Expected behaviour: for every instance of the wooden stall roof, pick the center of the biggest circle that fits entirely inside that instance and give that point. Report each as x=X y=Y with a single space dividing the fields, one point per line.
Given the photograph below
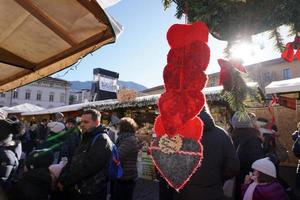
x=39 y=38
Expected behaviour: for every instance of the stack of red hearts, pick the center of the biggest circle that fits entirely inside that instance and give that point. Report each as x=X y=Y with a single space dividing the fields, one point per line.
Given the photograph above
x=177 y=151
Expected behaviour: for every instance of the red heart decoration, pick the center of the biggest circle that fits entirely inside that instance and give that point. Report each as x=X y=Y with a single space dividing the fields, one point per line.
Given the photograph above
x=182 y=34
x=192 y=129
x=172 y=77
x=178 y=107
x=197 y=52
x=193 y=78
x=187 y=161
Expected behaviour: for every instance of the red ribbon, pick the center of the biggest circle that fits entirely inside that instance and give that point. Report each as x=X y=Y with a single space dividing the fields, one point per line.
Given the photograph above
x=226 y=67
x=271 y=104
x=288 y=54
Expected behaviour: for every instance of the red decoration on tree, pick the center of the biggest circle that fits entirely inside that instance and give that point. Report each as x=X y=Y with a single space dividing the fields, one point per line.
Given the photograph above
x=183 y=100
x=226 y=70
x=288 y=54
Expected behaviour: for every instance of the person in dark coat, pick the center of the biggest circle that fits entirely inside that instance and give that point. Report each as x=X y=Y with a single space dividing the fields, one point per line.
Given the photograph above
x=220 y=163
x=128 y=150
x=85 y=177
x=10 y=154
x=36 y=183
x=296 y=151
x=72 y=139
x=248 y=145
x=42 y=132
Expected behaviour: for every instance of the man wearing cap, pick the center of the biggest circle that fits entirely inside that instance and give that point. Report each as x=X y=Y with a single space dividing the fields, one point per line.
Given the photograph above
x=85 y=177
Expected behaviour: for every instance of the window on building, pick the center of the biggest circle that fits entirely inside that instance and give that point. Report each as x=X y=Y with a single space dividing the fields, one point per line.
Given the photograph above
x=287 y=74
x=39 y=96
x=2 y=94
x=27 y=94
x=51 y=97
x=267 y=76
x=62 y=98
x=15 y=94
x=213 y=83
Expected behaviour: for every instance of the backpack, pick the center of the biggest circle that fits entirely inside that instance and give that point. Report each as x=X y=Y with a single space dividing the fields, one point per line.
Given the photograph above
x=296 y=148
x=8 y=166
x=115 y=170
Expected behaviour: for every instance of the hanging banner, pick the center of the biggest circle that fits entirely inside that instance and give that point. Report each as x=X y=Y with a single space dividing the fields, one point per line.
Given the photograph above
x=288 y=102
x=108 y=84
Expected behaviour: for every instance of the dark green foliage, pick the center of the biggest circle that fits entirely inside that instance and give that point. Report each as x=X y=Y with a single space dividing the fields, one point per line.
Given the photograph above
x=233 y=20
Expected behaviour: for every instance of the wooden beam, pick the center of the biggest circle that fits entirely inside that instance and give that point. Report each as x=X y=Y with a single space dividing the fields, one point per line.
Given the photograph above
x=9 y=58
x=93 y=7
x=45 y=19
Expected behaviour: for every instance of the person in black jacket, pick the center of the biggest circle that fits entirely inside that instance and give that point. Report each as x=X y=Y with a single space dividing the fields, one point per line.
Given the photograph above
x=72 y=139
x=85 y=177
x=128 y=150
x=220 y=163
x=248 y=145
x=296 y=151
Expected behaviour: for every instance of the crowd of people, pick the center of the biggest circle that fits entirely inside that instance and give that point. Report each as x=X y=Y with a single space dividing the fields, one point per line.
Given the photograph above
x=61 y=160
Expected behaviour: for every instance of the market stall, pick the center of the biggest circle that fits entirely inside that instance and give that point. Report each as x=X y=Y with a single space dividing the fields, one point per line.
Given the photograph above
x=286 y=111
x=39 y=38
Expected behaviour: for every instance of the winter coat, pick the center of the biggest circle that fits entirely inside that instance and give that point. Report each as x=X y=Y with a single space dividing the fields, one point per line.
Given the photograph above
x=270 y=191
x=35 y=184
x=220 y=162
x=72 y=140
x=86 y=175
x=128 y=150
x=249 y=149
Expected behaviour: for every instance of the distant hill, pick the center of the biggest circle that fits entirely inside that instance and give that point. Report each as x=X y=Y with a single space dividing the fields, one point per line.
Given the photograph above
x=78 y=85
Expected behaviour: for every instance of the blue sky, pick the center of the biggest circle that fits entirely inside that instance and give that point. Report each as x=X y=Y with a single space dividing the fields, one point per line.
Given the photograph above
x=139 y=54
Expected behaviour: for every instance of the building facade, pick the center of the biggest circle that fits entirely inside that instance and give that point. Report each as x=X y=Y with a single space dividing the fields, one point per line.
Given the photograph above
x=265 y=72
x=47 y=93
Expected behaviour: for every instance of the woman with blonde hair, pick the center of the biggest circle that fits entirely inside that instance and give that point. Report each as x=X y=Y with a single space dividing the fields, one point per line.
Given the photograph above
x=127 y=143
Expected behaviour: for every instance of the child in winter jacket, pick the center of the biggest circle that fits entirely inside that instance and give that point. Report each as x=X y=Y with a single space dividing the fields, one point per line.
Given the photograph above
x=263 y=184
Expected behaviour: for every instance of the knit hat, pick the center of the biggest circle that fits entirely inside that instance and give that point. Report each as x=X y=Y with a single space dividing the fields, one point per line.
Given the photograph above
x=5 y=129
x=265 y=166
x=114 y=121
x=241 y=120
x=56 y=127
x=39 y=159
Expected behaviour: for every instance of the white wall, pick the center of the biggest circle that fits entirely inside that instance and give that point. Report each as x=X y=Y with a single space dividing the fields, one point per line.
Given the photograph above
x=45 y=88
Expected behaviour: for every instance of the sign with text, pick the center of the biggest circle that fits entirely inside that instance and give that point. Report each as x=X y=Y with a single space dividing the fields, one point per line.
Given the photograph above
x=106 y=83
